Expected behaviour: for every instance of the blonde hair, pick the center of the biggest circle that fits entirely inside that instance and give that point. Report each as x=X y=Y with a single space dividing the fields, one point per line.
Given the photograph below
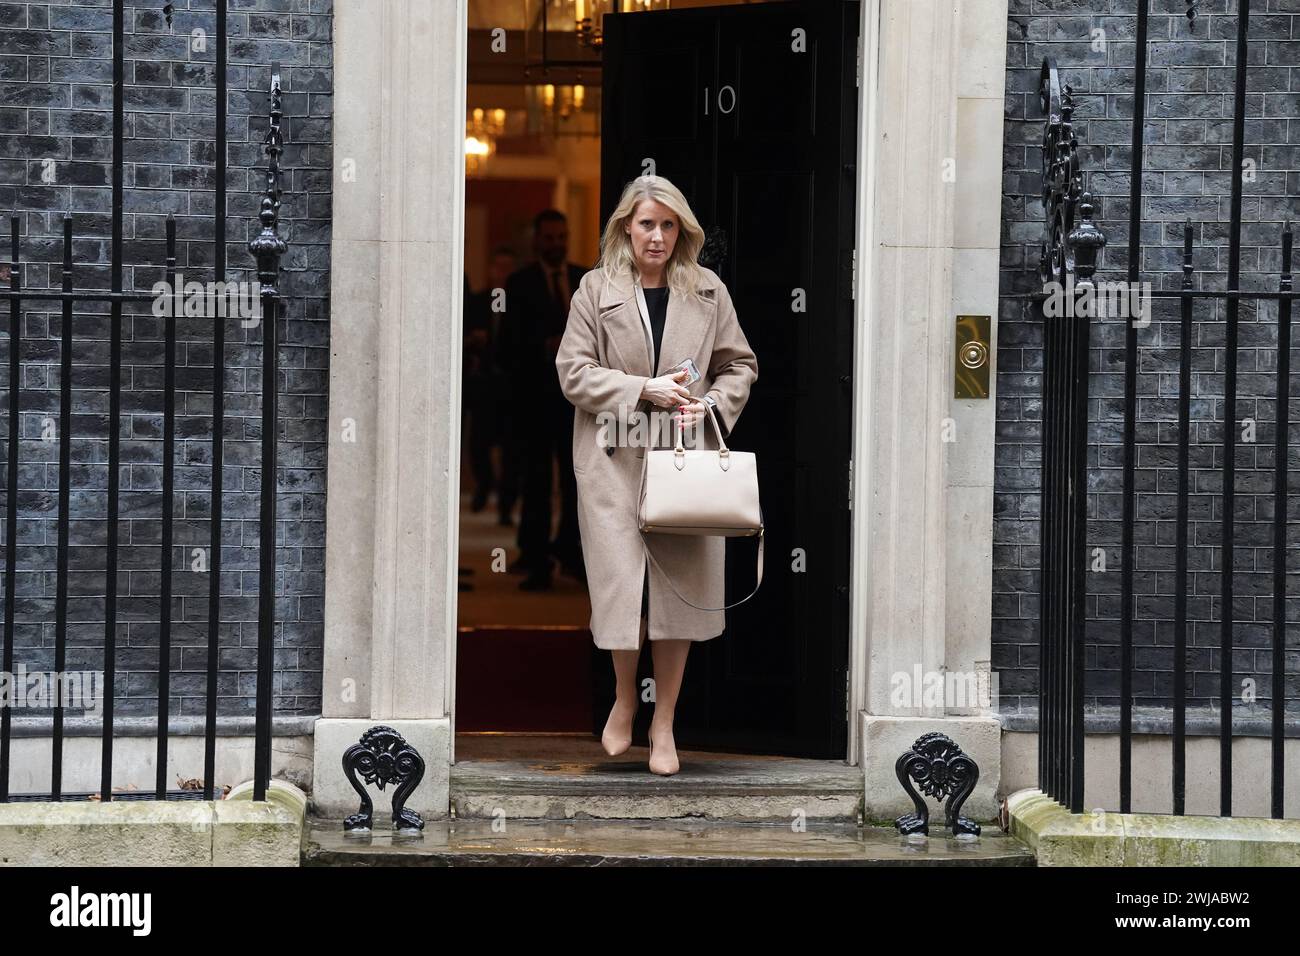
x=682 y=272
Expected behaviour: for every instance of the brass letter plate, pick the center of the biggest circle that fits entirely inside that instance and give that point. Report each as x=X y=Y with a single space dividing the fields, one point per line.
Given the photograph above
x=974 y=356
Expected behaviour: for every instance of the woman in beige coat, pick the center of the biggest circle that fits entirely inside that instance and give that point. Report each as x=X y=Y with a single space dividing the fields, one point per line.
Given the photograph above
x=623 y=390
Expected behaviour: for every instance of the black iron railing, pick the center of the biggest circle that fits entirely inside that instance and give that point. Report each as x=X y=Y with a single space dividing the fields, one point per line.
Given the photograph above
x=1069 y=257
x=267 y=248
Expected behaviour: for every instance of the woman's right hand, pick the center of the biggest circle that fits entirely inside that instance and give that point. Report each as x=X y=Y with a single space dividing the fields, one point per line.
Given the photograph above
x=666 y=391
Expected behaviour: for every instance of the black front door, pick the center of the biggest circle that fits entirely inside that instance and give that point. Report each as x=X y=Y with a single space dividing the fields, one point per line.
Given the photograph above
x=751 y=112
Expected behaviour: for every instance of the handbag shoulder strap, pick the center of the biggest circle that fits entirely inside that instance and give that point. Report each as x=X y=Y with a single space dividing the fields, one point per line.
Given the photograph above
x=722 y=450
x=759 y=574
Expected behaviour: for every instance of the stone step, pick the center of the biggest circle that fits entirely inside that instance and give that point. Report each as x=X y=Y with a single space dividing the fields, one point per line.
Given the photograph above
x=710 y=786
x=653 y=843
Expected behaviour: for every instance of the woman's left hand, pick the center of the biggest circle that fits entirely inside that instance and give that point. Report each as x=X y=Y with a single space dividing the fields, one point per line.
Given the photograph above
x=689 y=414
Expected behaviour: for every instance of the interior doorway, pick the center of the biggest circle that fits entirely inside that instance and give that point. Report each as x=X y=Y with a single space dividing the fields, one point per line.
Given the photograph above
x=750 y=108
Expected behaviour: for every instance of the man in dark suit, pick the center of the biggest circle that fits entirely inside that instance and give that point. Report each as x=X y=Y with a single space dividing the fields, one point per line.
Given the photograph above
x=537 y=308
x=487 y=396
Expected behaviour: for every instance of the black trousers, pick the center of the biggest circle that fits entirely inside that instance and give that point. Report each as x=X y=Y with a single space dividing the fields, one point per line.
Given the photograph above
x=548 y=439
x=481 y=433
x=508 y=435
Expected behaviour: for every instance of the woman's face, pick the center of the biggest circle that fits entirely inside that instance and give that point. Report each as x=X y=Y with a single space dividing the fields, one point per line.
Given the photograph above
x=653 y=230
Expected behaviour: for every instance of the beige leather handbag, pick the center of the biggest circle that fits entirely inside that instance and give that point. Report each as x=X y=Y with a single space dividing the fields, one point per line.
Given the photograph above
x=701 y=491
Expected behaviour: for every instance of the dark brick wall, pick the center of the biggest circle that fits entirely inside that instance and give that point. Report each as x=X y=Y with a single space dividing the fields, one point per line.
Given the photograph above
x=1191 y=75
x=55 y=117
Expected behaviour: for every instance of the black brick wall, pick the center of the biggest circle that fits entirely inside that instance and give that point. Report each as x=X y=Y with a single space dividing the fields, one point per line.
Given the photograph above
x=1191 y=76
x=55 y=116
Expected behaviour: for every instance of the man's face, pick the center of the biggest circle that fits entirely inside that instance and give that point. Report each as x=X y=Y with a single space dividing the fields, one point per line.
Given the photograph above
x=500 y=269
x=552 y=242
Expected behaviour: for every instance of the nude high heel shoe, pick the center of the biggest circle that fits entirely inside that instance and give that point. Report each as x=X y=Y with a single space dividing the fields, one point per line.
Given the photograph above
x=662 y=773
x=614 y=746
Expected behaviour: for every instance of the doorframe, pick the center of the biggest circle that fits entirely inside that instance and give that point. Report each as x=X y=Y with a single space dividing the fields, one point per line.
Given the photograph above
x=864 y=231
x=452 y=603
x=389 y=606
x=860 y=455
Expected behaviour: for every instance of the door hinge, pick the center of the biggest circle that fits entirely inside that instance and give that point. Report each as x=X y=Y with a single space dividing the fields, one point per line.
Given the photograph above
x=847 y=280
x=857 y=79
x=848 y=708
x=850 y=484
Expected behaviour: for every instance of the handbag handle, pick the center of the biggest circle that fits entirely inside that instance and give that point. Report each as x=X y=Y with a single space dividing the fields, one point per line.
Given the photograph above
x=679 y=448
x=724 y=607
x=713 y=417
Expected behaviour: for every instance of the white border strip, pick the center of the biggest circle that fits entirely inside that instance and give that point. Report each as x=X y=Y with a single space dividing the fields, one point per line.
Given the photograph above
x=859 y=568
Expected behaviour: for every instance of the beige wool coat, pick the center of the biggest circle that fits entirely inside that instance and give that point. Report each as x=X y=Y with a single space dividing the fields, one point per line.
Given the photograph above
x=603 y=362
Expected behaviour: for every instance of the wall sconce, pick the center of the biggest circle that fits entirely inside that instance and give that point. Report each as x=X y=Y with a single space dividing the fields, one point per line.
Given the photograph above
x=477 y=153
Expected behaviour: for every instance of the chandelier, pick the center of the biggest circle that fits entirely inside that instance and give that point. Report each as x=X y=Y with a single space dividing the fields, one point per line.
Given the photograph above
x=482 y=127
x=589 y=34
x=562 y=110
x=587 y=14
x=557 y=101
x=576 y=20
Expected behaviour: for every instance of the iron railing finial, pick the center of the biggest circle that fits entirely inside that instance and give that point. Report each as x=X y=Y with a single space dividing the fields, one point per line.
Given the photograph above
x=267 y=246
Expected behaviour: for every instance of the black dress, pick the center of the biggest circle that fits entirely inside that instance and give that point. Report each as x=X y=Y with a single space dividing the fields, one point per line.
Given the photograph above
x=656 y=301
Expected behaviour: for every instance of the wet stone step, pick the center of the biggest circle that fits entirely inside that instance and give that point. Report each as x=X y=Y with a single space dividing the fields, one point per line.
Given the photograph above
x=653 y=843
x=714 y=787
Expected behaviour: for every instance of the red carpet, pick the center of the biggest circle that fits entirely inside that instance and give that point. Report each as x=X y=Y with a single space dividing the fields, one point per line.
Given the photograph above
x=524 y=679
